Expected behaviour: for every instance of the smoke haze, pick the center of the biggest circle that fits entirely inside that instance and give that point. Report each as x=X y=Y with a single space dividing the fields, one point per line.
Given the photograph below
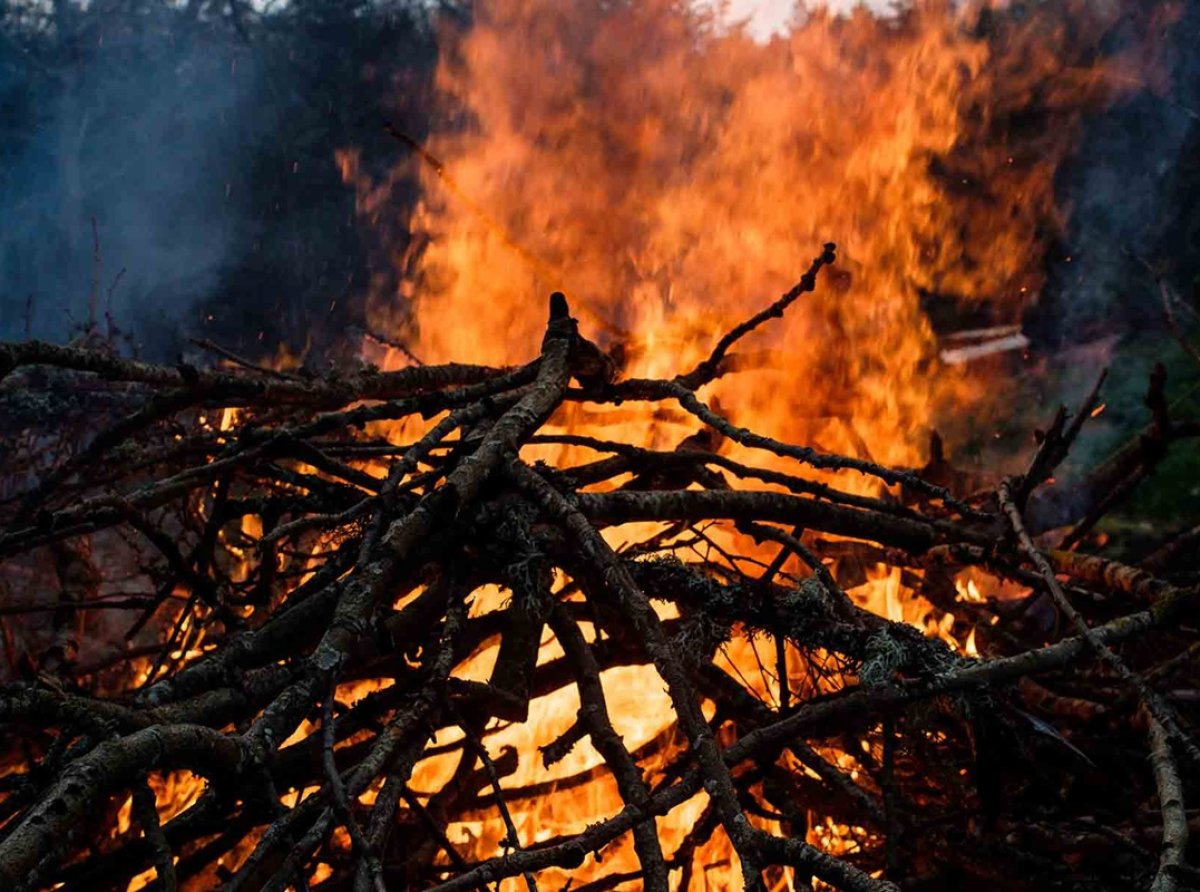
x=143 y=133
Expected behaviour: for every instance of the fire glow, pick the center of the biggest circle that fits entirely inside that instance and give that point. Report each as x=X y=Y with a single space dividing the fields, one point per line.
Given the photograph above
x=672 y=177
x=668 y=175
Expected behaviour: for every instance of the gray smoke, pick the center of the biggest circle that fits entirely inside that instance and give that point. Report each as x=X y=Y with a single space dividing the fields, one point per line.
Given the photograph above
x=1131 y=190
x=131 y=117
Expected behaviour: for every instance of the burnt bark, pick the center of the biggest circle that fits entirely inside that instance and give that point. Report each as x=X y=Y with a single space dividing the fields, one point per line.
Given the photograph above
x=303 y=548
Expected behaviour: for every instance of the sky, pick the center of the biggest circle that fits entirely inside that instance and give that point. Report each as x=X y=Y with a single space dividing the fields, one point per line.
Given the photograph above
x=765 y=15
x=768 y=16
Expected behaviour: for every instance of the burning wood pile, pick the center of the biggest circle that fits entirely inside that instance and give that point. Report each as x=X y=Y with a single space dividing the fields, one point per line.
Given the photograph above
x=261 y=634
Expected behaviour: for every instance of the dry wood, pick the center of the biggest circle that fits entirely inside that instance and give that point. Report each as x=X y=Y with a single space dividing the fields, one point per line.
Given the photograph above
x=295 y=597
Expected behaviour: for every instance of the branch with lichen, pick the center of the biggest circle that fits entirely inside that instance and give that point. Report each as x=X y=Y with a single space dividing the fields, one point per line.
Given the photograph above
x=304 y=568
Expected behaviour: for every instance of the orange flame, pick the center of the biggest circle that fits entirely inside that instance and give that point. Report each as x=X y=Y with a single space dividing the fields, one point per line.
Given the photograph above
x=673 y=176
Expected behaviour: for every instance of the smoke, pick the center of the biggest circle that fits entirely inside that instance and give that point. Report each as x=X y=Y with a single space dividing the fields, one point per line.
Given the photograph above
x=1130 y=193
x=120 y=196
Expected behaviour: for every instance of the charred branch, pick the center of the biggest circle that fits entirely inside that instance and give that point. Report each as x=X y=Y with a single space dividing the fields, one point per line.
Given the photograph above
x=341 y=600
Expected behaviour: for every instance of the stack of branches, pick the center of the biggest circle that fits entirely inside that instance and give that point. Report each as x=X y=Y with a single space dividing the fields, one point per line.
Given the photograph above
x=240 y=550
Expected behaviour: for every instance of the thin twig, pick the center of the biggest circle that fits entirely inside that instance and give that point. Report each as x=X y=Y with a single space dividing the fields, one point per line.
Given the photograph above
x=1158 y=708
x=1174 y=816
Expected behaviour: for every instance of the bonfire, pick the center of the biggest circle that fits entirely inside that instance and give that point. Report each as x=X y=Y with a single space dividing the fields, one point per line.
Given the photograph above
x=422 y=629
x=582 y=565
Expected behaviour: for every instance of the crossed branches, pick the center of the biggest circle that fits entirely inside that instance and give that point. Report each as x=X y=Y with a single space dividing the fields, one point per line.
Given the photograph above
x=331 y=532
